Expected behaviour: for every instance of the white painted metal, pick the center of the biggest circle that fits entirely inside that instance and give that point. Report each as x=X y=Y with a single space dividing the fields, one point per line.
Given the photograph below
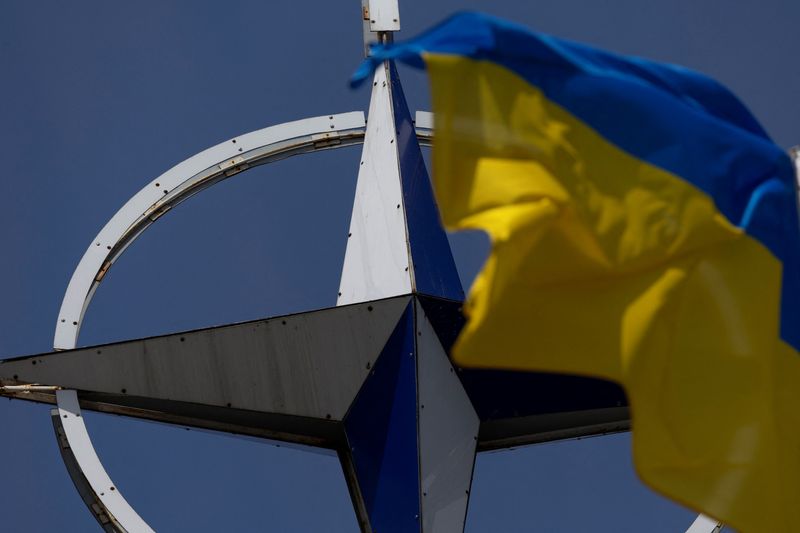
x=704 y=524
x=182 y=181
x=307 y=365
x=377 y=261
x=384 y=15
x=370 y=37
x=448 y=435
x=423 y=120
x=423 y=124
x=117 y=509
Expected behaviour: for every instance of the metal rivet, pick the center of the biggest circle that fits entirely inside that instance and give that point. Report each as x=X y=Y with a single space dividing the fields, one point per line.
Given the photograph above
x=369 y=308
x=112 y=488
x=63 y=320
x=398 y=206
x=182 y=339
x=333 y=126
x=233 y=141
x=33 y=362
x=349 y=235
x=74 y=323
x=369 y=365
x=328 y=416
x=109 y=247
x=99 y=352
x=228 y=404
x=124 y=391
x=158 y=185
x=283 y=322
x=16 y=376
x=340 y=294
x=165 y=191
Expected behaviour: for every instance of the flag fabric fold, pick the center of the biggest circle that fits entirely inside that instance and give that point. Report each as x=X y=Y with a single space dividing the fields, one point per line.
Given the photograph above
x=644 y=229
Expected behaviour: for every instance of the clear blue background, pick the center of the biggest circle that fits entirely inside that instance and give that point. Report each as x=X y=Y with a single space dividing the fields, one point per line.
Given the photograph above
x=98 y=97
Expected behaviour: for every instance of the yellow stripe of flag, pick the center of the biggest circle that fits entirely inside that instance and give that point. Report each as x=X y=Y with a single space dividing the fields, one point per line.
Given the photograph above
x=605 y=265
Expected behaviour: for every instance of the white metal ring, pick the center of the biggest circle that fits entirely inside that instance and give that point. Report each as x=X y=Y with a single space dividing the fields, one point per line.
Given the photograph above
x=191 y=176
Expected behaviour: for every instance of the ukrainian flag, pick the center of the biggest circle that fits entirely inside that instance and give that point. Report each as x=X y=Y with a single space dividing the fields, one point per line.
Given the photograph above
x=644 y=230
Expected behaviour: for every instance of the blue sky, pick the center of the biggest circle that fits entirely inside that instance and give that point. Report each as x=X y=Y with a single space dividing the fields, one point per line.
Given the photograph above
x=98 y=98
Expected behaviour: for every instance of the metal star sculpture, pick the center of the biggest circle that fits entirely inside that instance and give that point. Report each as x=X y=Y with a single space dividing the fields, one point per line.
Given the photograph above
x=370 y=378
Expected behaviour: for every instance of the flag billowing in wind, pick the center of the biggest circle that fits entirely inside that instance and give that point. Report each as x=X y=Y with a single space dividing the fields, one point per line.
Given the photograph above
x=644 y=229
